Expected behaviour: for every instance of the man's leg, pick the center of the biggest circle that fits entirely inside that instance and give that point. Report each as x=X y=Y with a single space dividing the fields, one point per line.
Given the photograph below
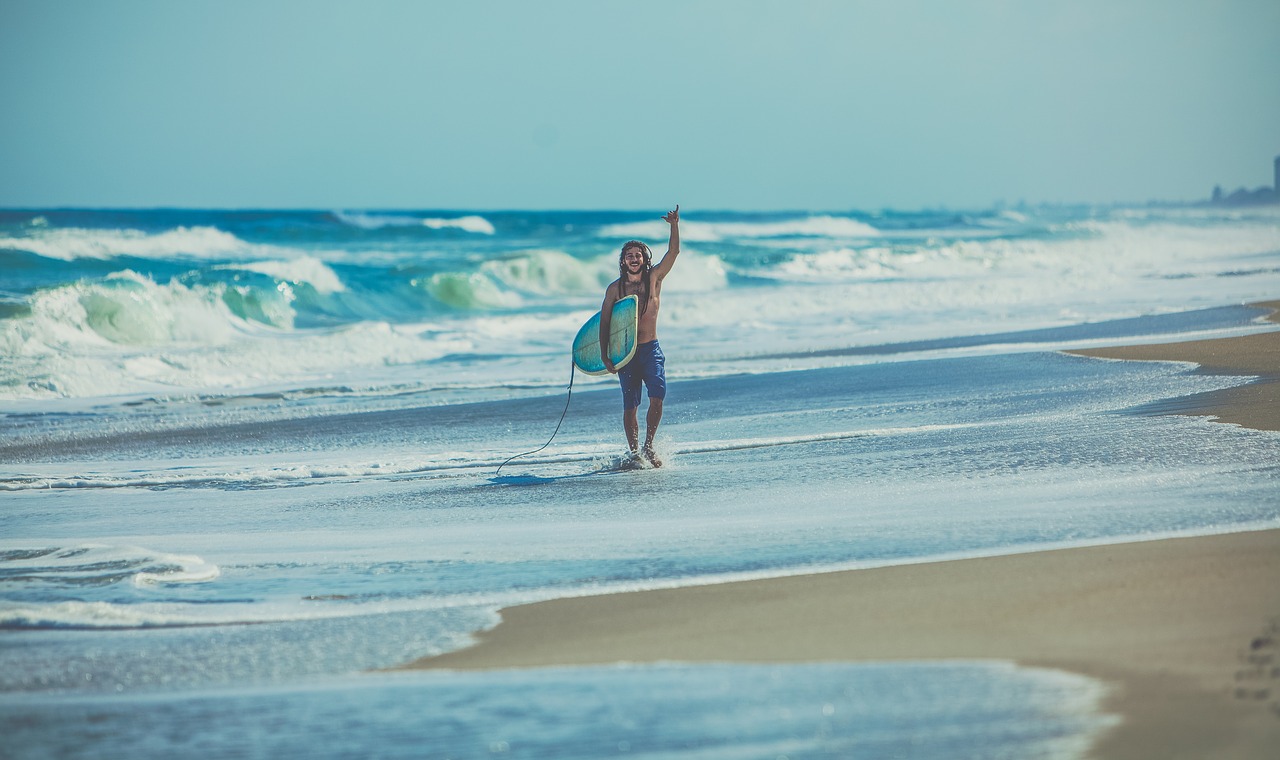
x=651 y=428
x=631 y=384
x=631 y=426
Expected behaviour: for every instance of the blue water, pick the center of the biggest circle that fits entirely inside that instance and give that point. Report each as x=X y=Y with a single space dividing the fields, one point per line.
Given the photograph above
x=661 y=711
x=250 y=457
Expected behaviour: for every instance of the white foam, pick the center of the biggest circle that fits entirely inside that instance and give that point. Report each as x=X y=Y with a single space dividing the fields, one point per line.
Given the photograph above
x=69 y=244
x=838 y=264
x=376 y=221
x=95 y=615
x=306 y=269
x=372 y=221
x=128 y=334
x=697 y=273
x=472 y=223
x=554 y=273
x=551 y=272
x=102 y=563
x=245 y=474
x=124 y=308
x=1113 y=251
x=113 y=615
x=441 y=464
x=852 y=295
x=468 y=291
x=693 y=231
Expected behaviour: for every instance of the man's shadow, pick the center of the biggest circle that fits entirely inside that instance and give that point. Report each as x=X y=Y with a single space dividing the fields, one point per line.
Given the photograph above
x=526 y=480
x=616 y=467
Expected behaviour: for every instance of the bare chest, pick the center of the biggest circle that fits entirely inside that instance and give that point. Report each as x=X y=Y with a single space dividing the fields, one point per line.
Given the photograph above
x=648 y=321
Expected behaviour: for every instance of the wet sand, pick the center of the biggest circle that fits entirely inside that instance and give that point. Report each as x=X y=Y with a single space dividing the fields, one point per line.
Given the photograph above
x=1256 y=405
x=1184 y=630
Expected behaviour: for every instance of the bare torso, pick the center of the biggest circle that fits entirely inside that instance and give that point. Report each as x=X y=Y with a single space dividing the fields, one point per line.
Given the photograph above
x=647 y=329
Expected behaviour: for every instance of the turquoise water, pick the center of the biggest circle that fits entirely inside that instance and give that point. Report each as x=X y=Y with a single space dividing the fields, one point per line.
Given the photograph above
x=250 y=457
x=175 y=304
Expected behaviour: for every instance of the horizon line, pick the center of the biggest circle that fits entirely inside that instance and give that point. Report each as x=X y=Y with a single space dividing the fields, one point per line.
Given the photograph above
x=641 y=209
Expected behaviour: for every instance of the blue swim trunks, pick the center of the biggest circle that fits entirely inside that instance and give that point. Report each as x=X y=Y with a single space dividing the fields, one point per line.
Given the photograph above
x=648 y=366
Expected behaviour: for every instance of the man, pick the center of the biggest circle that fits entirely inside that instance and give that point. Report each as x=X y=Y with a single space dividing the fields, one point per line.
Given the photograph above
x=638 y=277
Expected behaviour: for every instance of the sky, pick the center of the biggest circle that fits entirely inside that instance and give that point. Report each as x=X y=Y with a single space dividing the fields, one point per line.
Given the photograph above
x=727 y=105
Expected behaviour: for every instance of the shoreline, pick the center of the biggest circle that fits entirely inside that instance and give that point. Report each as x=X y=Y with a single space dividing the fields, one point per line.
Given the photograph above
x=1185 y=631
x=1255 y=405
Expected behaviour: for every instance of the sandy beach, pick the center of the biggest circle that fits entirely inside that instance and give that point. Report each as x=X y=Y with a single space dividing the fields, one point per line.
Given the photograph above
x=1256 y=405
x=1184 y=630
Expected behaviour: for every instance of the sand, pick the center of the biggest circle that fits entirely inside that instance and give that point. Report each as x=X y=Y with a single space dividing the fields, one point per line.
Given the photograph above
x=1256 y=405
x=1185 y=631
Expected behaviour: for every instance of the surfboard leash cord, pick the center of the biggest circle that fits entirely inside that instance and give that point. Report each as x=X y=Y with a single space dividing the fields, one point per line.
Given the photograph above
x=572 y=372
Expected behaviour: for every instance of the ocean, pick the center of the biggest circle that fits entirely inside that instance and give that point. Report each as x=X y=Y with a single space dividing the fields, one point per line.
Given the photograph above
x=250 y=460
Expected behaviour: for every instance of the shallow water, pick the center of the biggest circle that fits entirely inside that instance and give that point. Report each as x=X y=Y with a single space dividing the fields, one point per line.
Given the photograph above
x=948 y=709
x=207 y=540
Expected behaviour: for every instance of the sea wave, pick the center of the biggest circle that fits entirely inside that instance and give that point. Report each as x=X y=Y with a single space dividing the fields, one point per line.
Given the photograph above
x=698 y=273
x=514 y=282
x=117 y=615
x=372 y=221
x=132 y=309
x=98 y=565
x=997 y=220
x=70 y=244
x=467 y=291
x=127 y=333
x=304 y=269
x=76 y=614
x=1080 y=252
x=1158 y=241
x=128 y=308
x=825 y=226
x=264 y=317
x=477 y=224
x=841 y=264
x=551 y=272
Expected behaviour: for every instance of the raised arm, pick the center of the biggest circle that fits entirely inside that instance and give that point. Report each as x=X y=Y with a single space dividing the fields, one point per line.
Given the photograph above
x=673 y=245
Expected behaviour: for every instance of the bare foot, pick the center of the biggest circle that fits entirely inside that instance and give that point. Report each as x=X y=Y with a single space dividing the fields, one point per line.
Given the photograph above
x=652 y=457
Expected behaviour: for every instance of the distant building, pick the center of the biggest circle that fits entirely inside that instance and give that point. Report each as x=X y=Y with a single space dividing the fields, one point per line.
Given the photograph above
x=1243 y=197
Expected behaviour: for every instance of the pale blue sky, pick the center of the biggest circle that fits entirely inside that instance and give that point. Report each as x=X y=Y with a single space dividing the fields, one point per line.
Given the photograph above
x=637 y=105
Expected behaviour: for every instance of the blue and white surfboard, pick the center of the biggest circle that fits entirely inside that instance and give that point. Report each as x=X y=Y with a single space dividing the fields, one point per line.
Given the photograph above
x=622 y=338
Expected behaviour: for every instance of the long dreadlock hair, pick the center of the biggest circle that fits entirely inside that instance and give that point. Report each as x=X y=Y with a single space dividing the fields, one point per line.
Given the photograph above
x=645 y=284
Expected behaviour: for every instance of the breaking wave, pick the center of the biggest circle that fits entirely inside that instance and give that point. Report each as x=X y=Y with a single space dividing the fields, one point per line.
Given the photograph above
x=367 y=221
x=546 y=274
x=197 y=309
x=837 y=227
x=69 y=244
x=89 y=566
x=305 y=269
x=126 y=333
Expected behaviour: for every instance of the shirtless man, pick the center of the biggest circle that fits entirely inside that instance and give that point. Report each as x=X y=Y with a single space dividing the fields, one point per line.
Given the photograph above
x=638 y=277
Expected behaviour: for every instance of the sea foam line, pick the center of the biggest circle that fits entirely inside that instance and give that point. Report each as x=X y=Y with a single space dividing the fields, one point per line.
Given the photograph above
x=371 y=221
x=455 y=465
x=199 y=242
x=102 y=564
x=824 y=226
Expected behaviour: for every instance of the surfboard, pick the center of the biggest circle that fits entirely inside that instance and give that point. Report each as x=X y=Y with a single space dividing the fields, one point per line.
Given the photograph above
x=622 y=338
